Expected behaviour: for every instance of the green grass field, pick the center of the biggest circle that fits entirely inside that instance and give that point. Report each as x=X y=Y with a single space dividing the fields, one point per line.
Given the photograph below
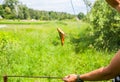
x=35 y=50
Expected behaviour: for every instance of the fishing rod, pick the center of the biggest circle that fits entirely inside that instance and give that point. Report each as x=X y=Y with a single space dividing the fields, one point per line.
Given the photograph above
x=5 y=77
x=51 y=77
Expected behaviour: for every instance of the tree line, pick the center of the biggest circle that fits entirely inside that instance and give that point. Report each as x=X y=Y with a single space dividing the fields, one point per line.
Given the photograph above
x=13 y=9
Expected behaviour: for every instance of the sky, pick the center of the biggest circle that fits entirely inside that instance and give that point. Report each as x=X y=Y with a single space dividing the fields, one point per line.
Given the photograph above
x=57 y=5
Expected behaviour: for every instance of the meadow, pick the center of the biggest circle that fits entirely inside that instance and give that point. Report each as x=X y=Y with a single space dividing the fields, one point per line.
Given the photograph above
x=34 y=49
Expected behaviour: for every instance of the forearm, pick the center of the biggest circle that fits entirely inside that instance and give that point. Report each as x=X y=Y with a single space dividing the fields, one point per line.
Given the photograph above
x=99 y=74
x=115 y=4
x=104 y=73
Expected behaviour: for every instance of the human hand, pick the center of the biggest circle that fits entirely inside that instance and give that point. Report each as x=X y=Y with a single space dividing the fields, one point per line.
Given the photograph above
x=70 y=78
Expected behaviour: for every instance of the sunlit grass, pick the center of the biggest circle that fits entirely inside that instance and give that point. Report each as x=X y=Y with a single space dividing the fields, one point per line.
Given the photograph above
x=36 y=50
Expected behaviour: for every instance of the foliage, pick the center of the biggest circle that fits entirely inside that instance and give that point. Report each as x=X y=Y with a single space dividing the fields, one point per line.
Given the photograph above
x=81 y=15
x=82 y=40
x=7 y=10
x=106 y=26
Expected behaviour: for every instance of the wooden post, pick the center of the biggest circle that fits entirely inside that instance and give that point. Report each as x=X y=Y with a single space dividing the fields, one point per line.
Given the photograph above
x=5 y=78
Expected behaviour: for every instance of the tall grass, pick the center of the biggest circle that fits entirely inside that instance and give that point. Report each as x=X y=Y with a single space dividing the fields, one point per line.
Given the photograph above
x=36 y=50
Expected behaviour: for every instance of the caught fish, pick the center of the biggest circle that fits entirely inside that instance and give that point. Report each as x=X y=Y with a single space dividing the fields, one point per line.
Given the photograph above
x=62 y=36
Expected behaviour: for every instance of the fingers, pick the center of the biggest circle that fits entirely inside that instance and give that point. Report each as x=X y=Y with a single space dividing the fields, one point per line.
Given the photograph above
x=65 y=79
x=70 y=78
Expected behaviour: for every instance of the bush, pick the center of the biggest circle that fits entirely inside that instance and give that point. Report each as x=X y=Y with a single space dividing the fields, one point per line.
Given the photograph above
x=106 y=26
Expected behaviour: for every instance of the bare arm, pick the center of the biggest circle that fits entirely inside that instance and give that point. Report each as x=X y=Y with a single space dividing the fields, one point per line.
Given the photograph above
x=108 y=72
x=105 y=73
x=115 y=4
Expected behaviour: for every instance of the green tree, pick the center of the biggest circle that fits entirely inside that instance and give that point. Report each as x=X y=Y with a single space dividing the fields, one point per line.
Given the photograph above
x=20 y=14
x=81 y=15
x=7 y=10
x=1 y=10
x=26 y=12
x=32 y=13
x=106 y=26
x=10 y=3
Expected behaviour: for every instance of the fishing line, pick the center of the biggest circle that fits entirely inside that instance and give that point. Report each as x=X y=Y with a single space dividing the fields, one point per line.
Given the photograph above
x=72 y=6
